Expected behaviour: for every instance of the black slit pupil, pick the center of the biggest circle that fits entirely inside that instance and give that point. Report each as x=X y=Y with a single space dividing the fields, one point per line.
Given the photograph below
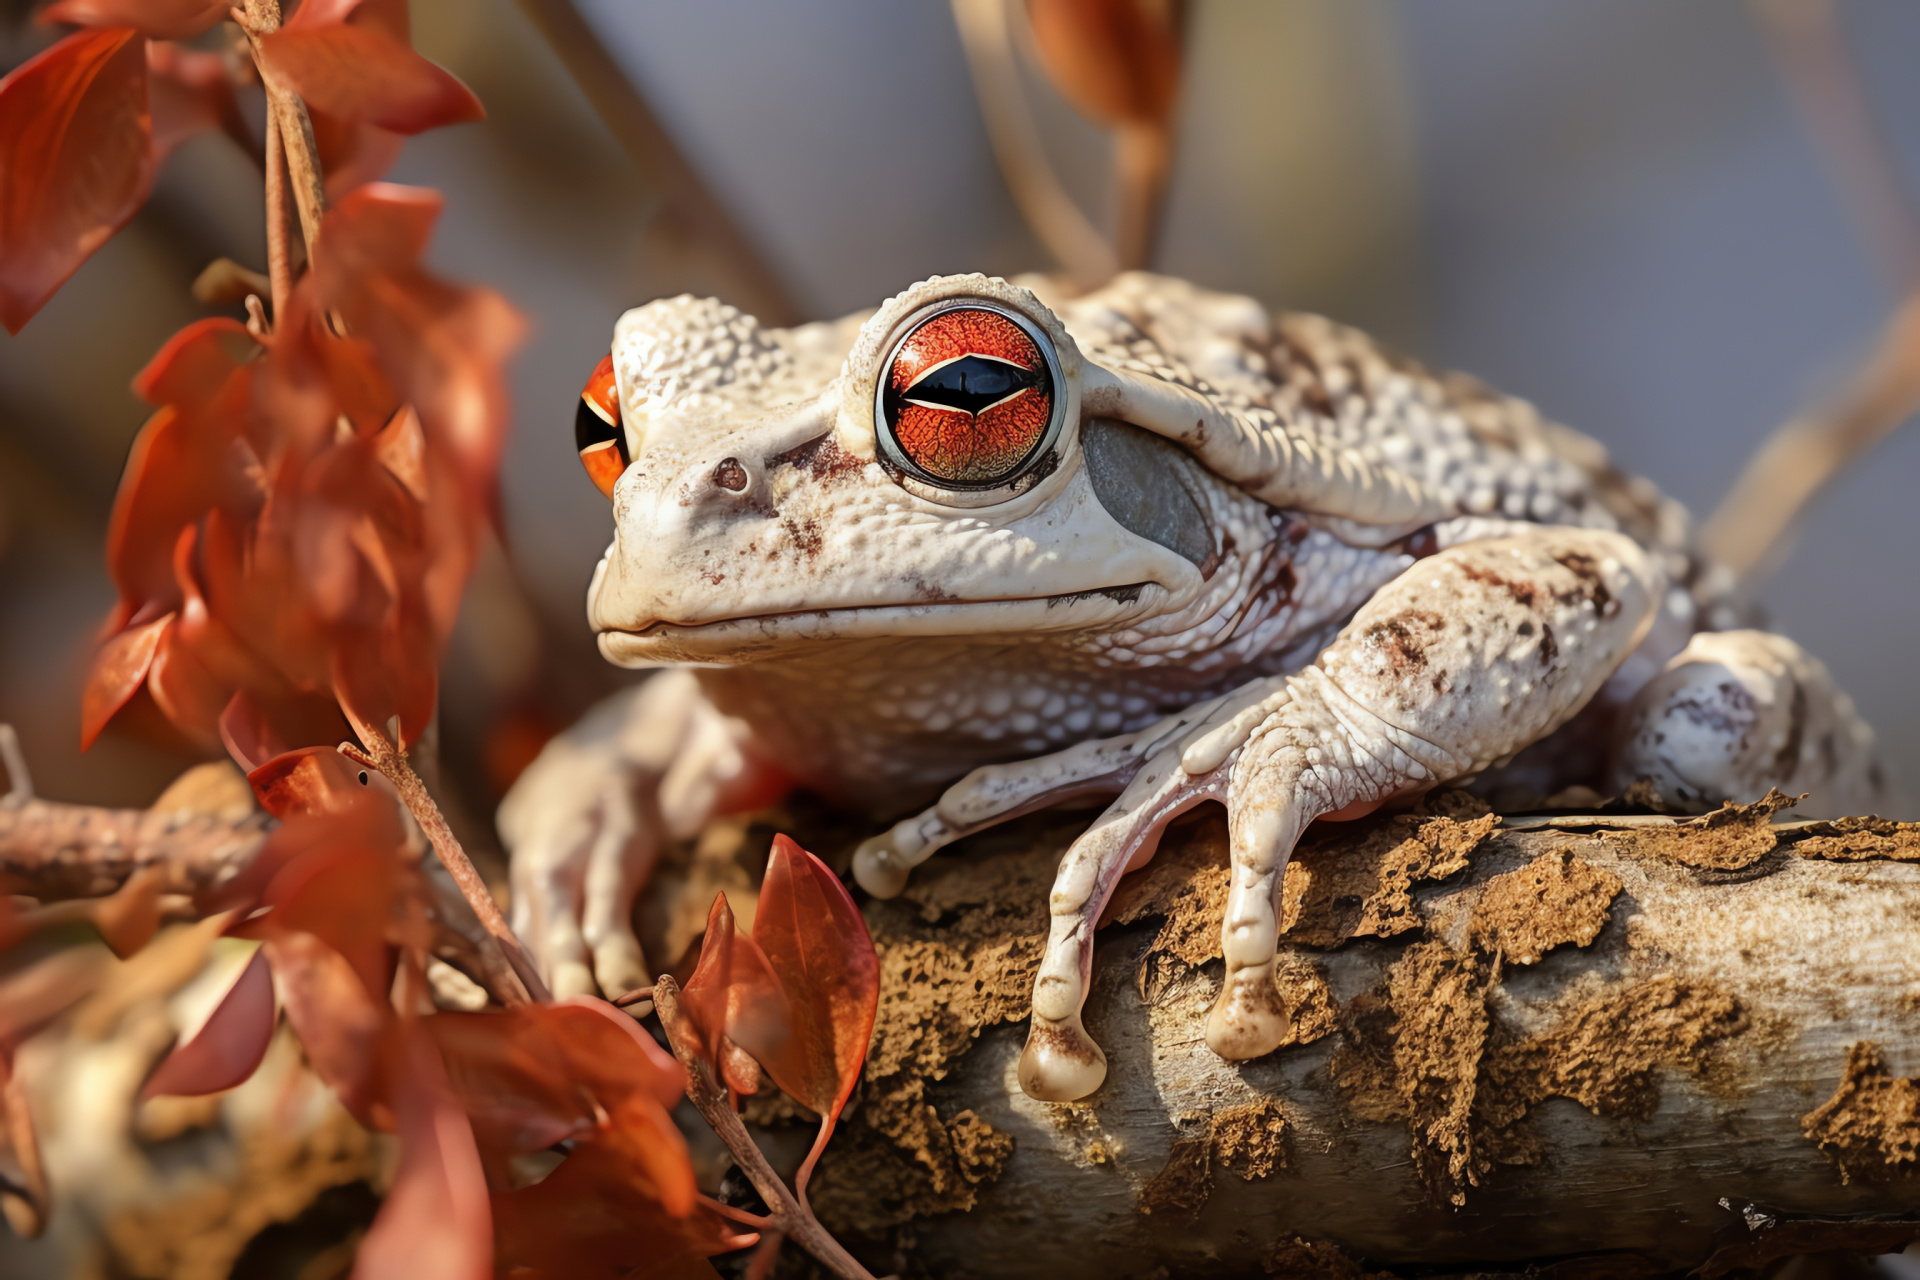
x=590 y=429
x=970 y=384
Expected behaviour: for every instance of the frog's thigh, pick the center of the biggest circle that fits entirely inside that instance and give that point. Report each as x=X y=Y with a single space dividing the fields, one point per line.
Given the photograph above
x=1463 y=660
x=1737 y=712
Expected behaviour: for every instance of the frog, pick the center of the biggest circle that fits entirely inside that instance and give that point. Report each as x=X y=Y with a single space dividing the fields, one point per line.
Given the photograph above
x=994 y=547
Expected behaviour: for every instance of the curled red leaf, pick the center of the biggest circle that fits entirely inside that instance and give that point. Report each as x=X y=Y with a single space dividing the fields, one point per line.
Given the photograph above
x=823 y=957
x=733 y=995
x=228 y=1047
x=76 y=149
x=436 y=1221
x=119 y=669
x=1116 y=61
x=359 y=70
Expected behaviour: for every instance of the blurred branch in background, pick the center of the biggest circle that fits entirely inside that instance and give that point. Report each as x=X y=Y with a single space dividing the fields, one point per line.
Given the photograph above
x=1036 y=189
x=1749 y=531
x=1118 y=63
x=627 y=116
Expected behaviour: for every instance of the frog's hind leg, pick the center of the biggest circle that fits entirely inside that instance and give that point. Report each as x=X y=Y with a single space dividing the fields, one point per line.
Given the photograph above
x=1467 y=657
x=1737 y=712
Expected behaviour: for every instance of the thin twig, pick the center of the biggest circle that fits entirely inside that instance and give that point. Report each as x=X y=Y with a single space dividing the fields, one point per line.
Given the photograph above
x=710 y=1099
x=289 y=113
x=1142 y=161
x=1748 y=531
x=1036 y=189
x=279 y=258
x=622 y=108
x=521 y=980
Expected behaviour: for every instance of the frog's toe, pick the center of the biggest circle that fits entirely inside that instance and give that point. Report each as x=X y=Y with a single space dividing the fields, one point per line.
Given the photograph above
x=1061 y=1063
x=882 y=863
x=1248 y=1019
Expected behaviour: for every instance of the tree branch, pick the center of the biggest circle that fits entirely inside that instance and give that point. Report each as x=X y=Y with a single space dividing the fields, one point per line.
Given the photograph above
x=519 y=979
x=1632 y=1047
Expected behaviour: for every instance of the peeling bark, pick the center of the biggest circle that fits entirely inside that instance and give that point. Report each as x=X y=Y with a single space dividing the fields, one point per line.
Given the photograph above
x=1649 y=1049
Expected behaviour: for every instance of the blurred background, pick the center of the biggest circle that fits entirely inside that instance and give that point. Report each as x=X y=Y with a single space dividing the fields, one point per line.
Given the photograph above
x=1611 y=207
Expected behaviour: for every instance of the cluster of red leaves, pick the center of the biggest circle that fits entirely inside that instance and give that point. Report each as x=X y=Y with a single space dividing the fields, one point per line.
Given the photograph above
x=336 y=906
x=84 y=125
x=298 y=518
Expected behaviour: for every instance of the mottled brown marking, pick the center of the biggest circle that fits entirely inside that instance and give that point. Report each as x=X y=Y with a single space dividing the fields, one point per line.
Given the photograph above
x=805 y=535
x=1593 y=588
x=730 y=475
x=1870 y=1127
x=821 y=457
x=1525 y=594
x=1403 y=638
x=1550 y=902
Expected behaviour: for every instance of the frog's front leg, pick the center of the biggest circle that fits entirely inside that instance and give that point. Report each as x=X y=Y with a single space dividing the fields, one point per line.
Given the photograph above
x=1460 y=662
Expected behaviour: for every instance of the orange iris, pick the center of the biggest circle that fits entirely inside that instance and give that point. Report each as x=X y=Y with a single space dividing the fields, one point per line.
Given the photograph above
x=968 y=397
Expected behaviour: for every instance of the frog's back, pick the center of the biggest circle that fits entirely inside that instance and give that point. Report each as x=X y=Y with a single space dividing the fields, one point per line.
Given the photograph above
x=1493 y=454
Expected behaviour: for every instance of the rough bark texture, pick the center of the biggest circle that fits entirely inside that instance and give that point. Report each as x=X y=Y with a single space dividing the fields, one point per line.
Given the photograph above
x=1615 y=1051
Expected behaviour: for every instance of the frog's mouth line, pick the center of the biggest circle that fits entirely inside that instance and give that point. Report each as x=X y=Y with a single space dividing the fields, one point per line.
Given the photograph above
x=751 y=635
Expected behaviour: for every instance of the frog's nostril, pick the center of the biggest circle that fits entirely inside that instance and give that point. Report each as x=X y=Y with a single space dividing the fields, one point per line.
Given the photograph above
x=730 y=475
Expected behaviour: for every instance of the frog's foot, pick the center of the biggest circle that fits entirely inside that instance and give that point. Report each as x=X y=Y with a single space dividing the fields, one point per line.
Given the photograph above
x=1099 y=767
x=1463 y=660
x=1737 y=712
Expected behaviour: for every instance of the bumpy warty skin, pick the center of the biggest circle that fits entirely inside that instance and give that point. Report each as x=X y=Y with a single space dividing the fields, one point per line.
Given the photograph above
x=1252 y=560
x=885 y=643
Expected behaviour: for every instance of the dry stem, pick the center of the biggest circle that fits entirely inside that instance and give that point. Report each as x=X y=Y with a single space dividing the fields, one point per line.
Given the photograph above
x=1036 y=189
x=1747 y=531
x=289 y=115
x=279 y=259
x=518 y=980
x=790 y=1217
x=1142 y=158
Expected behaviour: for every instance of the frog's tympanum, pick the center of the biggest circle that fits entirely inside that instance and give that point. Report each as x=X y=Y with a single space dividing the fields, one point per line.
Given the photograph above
x=997 y=550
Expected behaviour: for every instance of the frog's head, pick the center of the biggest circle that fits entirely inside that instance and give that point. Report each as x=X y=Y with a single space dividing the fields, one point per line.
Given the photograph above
x=952 y=466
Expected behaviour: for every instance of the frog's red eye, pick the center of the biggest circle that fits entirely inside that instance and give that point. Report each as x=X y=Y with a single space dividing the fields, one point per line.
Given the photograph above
x=596 y=429
x=967 y=398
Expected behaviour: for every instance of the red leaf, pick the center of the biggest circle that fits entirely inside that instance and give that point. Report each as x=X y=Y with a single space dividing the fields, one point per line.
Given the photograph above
x=118 y=671
x=436 y=1221
x=75 y=146
x=189 y=92
x=734 y=994
x=358 y=71
x=444 y=346
x=1116 y=61
x=600 y=1215
x=533 y=1075
x=308 y=781
x=821 y=954
x=352 y=152
x=159 y=19
x=338 y=1023
x=228 y=1046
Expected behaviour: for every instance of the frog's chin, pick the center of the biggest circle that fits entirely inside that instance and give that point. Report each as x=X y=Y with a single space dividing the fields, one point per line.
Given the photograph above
x=763 y=637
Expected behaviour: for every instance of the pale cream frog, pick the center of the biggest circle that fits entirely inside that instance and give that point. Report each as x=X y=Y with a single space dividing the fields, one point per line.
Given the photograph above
x=1151 y=542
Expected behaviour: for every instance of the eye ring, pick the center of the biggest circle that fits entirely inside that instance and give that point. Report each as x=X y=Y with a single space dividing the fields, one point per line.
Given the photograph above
x=969 y=398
